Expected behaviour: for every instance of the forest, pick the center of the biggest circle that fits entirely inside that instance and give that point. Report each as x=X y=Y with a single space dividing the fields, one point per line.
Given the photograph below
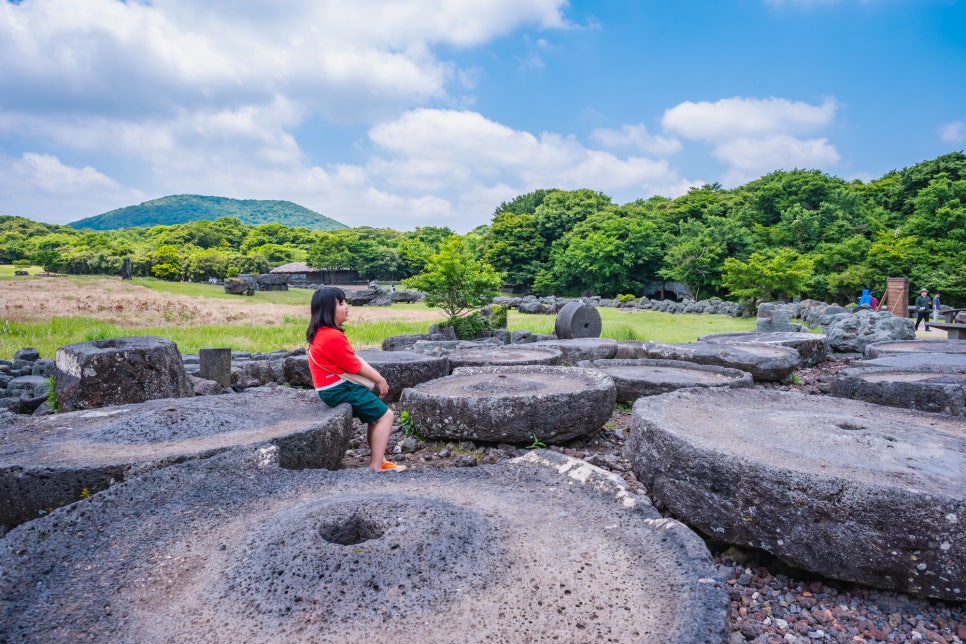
x=797 y=233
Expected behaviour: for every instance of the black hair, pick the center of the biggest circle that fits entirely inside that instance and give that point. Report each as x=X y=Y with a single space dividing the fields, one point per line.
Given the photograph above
x=324 y=301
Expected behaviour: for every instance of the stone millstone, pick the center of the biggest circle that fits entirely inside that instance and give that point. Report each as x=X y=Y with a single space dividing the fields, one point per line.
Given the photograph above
x=636 y=378
x=503 y=356
x=880 y=349
x=49 y=461
x=401 y=369
x=235 y=549
x=812 y=347
x=119 y=371
x=512 y=404
x=765 y=363
x=847 y=489
x=931 y=388
x=581 y=348
x=918 y=361
x=577 y=320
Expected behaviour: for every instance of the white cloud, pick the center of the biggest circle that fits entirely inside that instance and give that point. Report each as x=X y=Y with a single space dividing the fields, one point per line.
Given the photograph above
x=347 y=61
x=751 y=157
x=954 y=132
x=637 y=137
x=484 y=162
x=732 y=117
x=42 y=183
x=756 y=136
x=207 y=97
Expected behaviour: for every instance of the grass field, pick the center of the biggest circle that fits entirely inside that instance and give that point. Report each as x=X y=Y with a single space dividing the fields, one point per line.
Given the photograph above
x=49 y=312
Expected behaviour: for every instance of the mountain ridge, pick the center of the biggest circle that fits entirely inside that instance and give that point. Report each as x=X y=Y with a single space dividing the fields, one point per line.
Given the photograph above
x=183 y=209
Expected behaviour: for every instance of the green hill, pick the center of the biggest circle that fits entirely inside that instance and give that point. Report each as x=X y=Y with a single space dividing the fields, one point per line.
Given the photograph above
x=182 y=209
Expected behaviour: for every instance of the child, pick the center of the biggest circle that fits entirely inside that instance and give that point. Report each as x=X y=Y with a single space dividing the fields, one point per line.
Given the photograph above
x=330 y=354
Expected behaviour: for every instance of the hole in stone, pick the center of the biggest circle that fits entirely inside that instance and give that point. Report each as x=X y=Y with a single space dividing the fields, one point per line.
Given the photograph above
x=351 y=531
x=849 y=426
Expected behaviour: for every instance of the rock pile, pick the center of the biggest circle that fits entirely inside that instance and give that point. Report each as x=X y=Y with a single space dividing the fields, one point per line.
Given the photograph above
x=553 y=304
x=24 y=382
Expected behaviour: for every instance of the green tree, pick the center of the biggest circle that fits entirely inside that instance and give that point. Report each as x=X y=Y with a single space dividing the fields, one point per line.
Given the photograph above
x=455 y=280
x=766 y=275
x=50 y=259
x=514 y=246
x=610 y=252
x=561 y=210
x=695 y=256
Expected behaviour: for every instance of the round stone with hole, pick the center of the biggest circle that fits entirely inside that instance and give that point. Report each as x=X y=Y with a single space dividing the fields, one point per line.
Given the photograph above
x=236 y=548
x=577 y=320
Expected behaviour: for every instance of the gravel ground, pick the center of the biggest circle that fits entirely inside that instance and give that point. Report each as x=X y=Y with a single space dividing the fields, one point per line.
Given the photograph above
x=770 y=601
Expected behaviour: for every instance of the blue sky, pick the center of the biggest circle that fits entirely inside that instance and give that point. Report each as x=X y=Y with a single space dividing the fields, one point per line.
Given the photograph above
x=426 y=113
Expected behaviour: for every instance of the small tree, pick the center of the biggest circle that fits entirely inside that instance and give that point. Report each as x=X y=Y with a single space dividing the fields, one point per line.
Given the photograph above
x=455 y=280
x=781 y=272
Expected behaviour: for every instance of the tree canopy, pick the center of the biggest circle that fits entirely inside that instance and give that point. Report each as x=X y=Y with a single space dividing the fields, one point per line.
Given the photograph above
x=789 y=233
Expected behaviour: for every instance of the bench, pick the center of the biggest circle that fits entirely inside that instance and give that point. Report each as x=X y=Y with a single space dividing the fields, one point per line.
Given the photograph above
x=953 y=331
x=950 y=314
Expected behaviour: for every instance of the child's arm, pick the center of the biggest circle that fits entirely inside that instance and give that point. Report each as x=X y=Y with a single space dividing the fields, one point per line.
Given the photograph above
x=368 y=371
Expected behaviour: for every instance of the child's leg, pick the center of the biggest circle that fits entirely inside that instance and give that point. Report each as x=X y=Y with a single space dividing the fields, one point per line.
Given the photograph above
x=377 y=434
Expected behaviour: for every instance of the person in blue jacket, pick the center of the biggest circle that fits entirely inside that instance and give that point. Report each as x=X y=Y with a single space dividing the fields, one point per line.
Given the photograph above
x=866 y=299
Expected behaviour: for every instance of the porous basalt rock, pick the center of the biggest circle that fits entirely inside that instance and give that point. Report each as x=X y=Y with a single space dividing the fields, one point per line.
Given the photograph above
x=847 y=489
x=881 y=349
x=49 y=461
x=932 y=388
x=577 y=320
x=578 y=349
x=236 y=549
x=481 y=355
x=119 y=371
x=642 y=377
x=812 y=347
x=512 y=404
x=401 y=369
x=765 y=363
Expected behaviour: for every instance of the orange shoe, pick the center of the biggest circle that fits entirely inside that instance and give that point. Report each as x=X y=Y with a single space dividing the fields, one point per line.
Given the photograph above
x=389 y=466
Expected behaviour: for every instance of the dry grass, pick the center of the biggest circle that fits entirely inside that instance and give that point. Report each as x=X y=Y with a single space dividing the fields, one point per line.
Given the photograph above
x=134 y=306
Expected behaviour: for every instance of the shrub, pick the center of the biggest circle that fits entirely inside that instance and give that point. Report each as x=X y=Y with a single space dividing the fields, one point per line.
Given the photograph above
x=626 y=297
x=498 y=316
x=468 y=326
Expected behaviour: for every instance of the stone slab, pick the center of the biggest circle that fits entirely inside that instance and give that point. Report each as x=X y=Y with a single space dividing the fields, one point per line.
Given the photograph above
x=812 y=347
x=846 y=489
x=236 y=549
x=502 y=356
x=512 y=404
x=117 y=371
x=929 y=388
x=642 y=377
x=765 y=363
x=579 y=349
x=918 y=360
x=49 y=461
x=882 y=349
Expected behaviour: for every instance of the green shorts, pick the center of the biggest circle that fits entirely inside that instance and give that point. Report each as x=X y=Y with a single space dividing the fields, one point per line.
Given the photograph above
x=366 y=406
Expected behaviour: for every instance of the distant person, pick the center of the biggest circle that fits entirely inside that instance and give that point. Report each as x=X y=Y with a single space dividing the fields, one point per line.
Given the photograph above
x=923 y=306
x=865 y=299
x=875 y=302
x=330 y=355
x=935 y=307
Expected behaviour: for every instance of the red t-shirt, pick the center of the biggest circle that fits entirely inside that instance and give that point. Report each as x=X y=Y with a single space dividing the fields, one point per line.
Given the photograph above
x=330 y=351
